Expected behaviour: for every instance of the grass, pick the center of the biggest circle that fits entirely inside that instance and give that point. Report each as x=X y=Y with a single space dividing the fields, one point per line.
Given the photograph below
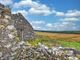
x=43 y=40
x=61 y=36
x=50 y=41
x=75 y=45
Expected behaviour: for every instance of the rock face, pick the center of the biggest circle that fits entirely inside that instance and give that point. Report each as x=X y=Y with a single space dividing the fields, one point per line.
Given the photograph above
x=14 y=23
x=24 y=29
x=14 y=31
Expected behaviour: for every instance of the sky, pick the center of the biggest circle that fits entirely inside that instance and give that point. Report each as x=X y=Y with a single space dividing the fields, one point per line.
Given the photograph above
x=50 y=15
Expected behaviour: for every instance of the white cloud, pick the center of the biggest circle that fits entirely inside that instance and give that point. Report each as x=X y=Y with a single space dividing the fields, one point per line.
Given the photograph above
x=72 y=13
x=24 y=12
x=40 y=11
x=32 y=4
x=38 y=24
x=37 y=27
x=6 y=2
x=49 y=25
x=69 y=13
x=23 y=3
x=62 y=26
x=35 y=7
x=70 y=19
x=59 y=13
x=58 y=26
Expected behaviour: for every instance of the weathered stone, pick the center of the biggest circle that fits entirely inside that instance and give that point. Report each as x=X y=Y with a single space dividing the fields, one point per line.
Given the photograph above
x=14 y=30
x=23 y=26
x=15 y=22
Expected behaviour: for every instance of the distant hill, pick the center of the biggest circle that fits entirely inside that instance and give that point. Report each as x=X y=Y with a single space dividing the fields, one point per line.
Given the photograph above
x=67 y=32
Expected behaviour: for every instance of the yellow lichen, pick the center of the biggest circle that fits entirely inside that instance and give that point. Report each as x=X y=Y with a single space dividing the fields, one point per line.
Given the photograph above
x=2 y=26
x=17 y=39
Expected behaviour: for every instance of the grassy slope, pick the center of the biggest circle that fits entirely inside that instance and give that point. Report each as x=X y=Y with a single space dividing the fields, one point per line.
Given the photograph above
x=57 y=39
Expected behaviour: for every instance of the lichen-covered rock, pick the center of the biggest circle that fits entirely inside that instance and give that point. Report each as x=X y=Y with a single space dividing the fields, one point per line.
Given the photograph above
x=24 y=29
x=14 y=31
x=14 y=23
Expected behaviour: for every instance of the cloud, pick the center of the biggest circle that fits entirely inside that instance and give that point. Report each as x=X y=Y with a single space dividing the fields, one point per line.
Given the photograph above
x=49 y=25
x=69 y=13
x=36 y=8
x=40 y=9
x=43 y=12
x=59 y=13
x=58 y=26
x=24 y=12
x=38 y=24
x=72 y=13
x=6 y=2
x=23 y=3
x=70 y=19
x=63 y=26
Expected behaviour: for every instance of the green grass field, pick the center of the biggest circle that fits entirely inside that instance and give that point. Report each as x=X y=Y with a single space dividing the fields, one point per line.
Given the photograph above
x=51 y=41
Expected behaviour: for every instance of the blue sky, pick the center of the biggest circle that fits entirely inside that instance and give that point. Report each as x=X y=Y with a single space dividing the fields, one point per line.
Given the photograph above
x=52 y=15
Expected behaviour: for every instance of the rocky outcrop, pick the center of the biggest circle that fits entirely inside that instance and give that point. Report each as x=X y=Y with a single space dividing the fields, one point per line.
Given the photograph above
x=23 y=51
x=22 y=27
x=14 y=31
